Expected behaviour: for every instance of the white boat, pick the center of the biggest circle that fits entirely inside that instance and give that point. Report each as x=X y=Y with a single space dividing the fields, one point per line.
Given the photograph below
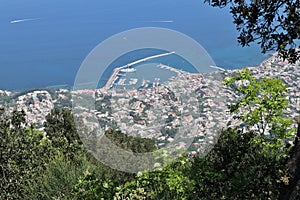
x=128 y=70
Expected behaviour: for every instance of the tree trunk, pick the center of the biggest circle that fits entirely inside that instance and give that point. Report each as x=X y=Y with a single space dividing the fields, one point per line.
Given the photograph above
x=292 y=191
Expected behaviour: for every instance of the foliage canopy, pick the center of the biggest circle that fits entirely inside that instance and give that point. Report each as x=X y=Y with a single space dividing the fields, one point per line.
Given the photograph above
x=262 y=105
x=275 y=25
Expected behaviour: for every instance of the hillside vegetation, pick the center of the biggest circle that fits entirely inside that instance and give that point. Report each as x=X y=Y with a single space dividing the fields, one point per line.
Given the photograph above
x=258 y=160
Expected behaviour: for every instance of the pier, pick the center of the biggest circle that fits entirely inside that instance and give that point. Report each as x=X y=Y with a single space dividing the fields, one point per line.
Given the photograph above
x=117 y=70
x=216 y=67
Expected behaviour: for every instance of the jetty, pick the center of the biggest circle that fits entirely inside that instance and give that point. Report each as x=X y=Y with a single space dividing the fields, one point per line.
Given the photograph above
x=113 y=77
x=216 y=67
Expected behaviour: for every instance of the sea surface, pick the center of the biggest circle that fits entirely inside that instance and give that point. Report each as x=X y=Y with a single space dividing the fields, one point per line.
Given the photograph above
x=43 y=43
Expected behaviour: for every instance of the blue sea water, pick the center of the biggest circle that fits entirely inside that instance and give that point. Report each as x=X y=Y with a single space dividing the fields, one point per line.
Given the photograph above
x=49 y=49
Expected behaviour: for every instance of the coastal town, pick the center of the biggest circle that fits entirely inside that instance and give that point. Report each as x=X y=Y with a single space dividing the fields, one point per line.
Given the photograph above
x=188 y=111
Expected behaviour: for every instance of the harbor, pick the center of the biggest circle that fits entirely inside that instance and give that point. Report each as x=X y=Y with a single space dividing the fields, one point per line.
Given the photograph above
x=128 y=69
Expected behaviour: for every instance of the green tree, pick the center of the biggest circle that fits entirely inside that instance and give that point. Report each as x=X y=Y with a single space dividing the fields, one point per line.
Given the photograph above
x=127 y=142
x=90 y=187
x=61 y=130
x=261 y=106
x=237 y=168
x=170 y=182
x=274 y=24
x=23 y=154
x=57 y=179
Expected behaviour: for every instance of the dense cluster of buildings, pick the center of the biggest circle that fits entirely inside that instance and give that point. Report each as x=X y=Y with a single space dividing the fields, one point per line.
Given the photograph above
x=189 y=110
x=36 y=105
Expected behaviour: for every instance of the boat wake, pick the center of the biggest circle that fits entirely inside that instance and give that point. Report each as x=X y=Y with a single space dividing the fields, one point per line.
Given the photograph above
x=23 y=20
x=163 y=21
